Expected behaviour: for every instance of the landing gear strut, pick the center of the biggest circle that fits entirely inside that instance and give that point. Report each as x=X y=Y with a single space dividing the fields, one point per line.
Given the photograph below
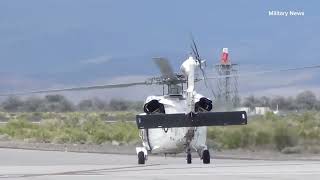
x=206 y=157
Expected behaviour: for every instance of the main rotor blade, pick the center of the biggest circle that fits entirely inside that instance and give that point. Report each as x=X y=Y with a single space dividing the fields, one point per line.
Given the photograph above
x=105 y=86
x=165 y=67
x=264 y=72
x=198 y=58
x=194 y=48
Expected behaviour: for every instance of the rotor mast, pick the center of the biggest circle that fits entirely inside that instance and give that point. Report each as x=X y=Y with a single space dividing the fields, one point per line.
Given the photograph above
x=188 y=69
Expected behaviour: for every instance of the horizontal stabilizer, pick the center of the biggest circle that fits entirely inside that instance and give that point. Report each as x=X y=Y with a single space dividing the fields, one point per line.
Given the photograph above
x=191 y=120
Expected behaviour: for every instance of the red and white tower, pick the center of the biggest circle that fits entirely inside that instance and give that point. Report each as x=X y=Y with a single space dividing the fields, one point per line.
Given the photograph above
x=228 y=85
x=225 y=56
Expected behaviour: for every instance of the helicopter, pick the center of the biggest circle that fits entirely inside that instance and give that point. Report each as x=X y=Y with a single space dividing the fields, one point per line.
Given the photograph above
x=176 y=121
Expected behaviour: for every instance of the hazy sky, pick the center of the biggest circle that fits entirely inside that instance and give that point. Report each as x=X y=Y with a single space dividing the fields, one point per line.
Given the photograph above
x=46 y=43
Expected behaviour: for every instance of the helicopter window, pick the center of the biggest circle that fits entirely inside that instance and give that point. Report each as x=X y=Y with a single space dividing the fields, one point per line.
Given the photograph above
x=174 y=89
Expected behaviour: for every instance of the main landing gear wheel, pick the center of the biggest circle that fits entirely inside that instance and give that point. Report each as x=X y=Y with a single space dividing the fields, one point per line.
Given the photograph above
x=206 y=157
x=141 y=158
x=189 y=158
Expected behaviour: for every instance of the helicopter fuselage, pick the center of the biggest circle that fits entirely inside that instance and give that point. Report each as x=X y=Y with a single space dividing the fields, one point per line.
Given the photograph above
x=173 y=140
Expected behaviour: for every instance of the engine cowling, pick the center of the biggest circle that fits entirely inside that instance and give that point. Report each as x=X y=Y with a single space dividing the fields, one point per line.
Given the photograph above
x=153 y=106
x=204 y=104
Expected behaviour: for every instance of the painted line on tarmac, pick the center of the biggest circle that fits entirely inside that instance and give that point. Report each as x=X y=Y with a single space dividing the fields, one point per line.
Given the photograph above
x=75 y=172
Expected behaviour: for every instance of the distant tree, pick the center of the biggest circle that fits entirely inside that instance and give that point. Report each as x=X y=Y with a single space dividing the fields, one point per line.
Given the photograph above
x=136 y=105
x=306 y=100
x=317 y=106
x=86 y=105
x=118 y=105
x=291 y=104
x=280 y=102
x=99 y=104
x=13 y=104
x=33 y=104
x=264 y=101
x=57 y=103
x=55 y=98
x=250 y=102
x=283 y=103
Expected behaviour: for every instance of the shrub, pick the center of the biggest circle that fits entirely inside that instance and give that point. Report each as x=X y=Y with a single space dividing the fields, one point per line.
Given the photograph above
x=231 y=139
x=285 y=136
x=263 y=138
x=100 y=136
x=270 y=131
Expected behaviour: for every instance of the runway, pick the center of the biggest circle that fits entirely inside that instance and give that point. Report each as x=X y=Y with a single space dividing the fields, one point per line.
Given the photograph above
x=48 y=165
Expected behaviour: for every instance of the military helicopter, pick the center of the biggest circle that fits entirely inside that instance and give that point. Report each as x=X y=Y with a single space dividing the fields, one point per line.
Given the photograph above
x=177 y=120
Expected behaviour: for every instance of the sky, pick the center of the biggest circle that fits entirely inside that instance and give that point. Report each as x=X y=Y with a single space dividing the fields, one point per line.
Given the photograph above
x=63 y=43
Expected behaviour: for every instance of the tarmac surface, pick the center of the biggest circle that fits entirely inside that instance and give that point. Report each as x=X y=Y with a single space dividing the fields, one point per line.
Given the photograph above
x=48 y=165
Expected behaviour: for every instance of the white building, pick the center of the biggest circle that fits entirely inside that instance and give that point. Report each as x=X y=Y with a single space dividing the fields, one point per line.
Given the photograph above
x=262 y=110
x=255 y=111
